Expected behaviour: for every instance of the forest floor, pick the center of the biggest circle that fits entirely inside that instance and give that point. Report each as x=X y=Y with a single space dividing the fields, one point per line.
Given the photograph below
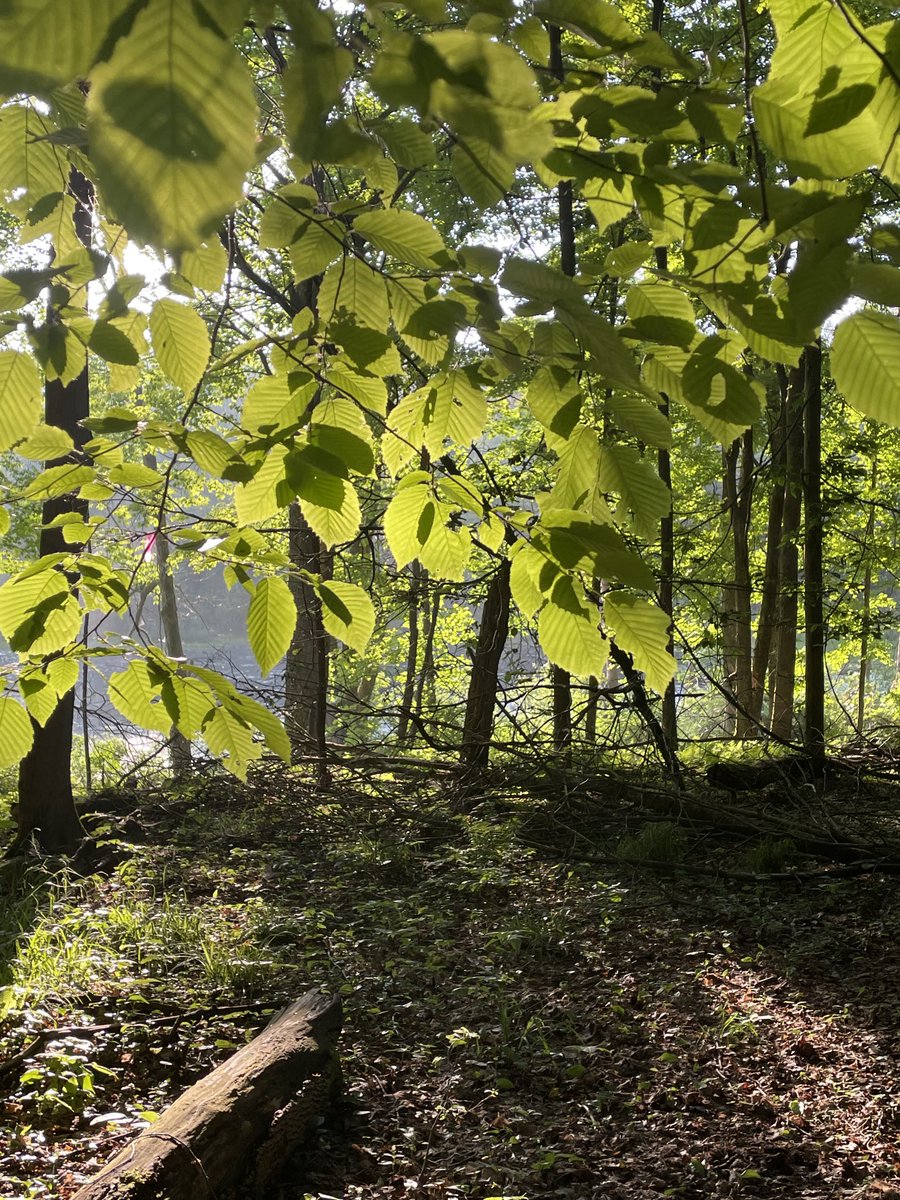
x=518 y=1023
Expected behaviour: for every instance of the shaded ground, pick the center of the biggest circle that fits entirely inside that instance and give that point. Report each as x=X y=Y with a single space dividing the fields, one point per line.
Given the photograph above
x=517 y=1024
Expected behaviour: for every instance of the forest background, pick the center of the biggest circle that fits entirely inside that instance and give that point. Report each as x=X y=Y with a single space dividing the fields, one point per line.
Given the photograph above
x=520 y=383
x=517 y=327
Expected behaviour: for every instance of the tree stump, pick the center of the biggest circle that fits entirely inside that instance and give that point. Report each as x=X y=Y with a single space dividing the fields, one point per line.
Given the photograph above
x=236 y=1127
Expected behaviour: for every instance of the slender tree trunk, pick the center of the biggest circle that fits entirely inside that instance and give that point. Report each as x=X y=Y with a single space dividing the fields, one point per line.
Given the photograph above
x=46 y=802
x=813 y=581
x=785 y=641
x=770 y=589
x=484 y=677
x=664 y=466
x=412 y=658
x=867 y=607
x=427 y=673
x=179 y=745
x=736 y=594
x=729 y=630
x=590 y=711
x=306 y=668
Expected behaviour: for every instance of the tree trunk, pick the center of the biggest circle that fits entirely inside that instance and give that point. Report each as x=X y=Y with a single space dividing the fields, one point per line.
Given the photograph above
x=306 y=667
x=813 y=582
x=427 y=673
x=770 y=589
x=484 y=678
x=785 y=641
x=664 y=467
x=234 y=1130
x=179 y=745
x=736 y=594
x=412 y=657
x=46 y=802
x=867 y=606
x=590 y=710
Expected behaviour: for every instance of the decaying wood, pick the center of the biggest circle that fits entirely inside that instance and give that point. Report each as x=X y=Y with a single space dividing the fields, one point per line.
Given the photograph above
x=229 y=1133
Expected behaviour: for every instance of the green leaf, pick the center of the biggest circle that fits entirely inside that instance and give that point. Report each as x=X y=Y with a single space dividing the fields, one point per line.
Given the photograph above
x=624 y=260
x=20 y=397
x=446 y=551
x=640 y=418
x=555 y=399
x=62 y=673
x=661 y=313
x=484 y=172
x=865 y=363
x=16 y=732
x=227 y=733
x=180 y=342
x=527 y=563
x=353 y=291
x=317 y=243
x=265 y=493
x=577 y=543
x=271 y=619
x=205 y=265
x=288 y=210
x=408 y=143
x=335 y=521
x=213 y=453
x=172 y=126
x=818 y=108
x=352 y=448
x=46 y=43
x=265 y=721
x=347 y=613
x=313 y=82
x=404 y=517
x=46 y=442
x=642 y=629
x=277 y=402
x=403 y=235
x=568 y=633
x=838 y=108
x=624 y=471
x=38 y=613
x=878 y=282
x=57 y=481
x=40 y=697
x=577 y=476
x=451 y=406
x=135 y=475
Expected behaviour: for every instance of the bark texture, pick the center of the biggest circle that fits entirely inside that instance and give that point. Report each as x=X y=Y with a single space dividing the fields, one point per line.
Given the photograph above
x=238 y=1125
x=306 y=668
x=46 y=803
x=813 y=533
x=785 y=639
x=484 y=678
x=736 y=593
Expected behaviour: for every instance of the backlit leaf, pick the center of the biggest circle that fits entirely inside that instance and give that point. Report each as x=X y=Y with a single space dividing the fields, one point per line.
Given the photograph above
x=20 y=397
x=865 y=362
x=180 y=342
x=16 y=732
x=347 y=613
x=271 y=618
x=642 y=629
x=172 y=126
x=403 y=235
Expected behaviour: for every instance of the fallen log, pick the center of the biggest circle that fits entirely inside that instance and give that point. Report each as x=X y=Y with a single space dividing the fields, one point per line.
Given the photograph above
x=235 y=1128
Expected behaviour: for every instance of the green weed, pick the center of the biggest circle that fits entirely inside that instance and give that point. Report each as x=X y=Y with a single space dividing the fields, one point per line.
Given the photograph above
x=655 y=841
